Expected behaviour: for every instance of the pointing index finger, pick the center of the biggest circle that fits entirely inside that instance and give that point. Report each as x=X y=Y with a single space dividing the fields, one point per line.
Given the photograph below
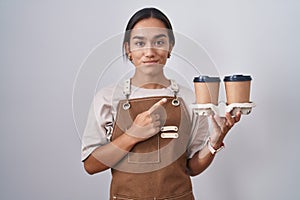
x=156 y=105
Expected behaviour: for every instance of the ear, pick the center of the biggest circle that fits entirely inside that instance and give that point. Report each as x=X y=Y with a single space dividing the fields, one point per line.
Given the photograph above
x=127 y=48
x=170 y=50
x=128 y=52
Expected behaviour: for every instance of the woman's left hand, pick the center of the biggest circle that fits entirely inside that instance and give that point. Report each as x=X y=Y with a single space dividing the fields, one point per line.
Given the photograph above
x=221 y=126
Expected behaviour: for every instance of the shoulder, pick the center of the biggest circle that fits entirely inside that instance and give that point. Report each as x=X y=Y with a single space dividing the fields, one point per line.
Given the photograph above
x=108 y=93
x=107 y=98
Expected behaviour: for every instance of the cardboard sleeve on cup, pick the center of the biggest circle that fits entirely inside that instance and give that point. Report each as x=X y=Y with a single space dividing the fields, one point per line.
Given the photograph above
x=237 y=88
x=207 y=89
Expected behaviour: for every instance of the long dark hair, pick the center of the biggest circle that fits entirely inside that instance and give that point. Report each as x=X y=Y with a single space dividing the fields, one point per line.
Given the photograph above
x=146 y=13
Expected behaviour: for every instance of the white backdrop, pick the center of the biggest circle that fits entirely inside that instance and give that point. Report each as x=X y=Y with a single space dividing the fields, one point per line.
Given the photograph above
x=44 y=43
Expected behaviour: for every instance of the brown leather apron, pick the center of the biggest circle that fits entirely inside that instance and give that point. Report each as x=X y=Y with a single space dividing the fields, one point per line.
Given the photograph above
x=155 y=168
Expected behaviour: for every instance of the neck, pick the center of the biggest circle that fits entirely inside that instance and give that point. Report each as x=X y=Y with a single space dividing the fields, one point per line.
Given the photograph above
x=150 y=82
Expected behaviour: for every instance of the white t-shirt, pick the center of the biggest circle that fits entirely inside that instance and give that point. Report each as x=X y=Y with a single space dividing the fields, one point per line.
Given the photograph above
x=102 y=114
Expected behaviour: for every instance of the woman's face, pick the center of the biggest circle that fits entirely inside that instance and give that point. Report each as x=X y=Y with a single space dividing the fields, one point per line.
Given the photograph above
x=149 y=44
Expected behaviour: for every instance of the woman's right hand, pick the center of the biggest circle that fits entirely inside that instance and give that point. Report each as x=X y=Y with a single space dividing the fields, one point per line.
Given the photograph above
x=146 y=124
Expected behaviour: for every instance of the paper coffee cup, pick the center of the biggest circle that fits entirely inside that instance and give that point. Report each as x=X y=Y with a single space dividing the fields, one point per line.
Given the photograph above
x=237 y=88
x=207 y=89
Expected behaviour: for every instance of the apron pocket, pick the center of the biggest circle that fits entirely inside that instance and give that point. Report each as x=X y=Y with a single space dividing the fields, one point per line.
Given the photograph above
x=144 y=158
x=145 y=152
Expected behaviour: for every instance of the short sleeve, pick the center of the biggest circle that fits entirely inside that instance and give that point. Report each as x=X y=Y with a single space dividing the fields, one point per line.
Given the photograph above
x=99 y=124
x=200 y=133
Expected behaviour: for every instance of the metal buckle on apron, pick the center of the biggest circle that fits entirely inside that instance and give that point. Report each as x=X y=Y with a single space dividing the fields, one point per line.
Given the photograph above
x=175 y=102
x=170 y=135
x=127 y=91
x=169 y=132
x=126 y=105
x=175 y=89
x=168 y=128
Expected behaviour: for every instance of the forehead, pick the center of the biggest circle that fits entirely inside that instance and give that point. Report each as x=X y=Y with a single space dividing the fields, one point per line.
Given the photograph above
x=149 y=28
x=149 y=23
x=149 y=33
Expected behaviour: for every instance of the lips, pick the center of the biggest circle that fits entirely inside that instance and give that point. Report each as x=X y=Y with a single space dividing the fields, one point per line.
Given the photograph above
x=150 y=62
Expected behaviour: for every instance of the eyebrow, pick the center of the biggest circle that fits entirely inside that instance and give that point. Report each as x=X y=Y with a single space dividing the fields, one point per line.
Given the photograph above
x=155 y=37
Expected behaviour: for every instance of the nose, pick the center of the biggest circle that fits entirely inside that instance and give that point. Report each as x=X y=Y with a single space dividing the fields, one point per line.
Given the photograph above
x=149 y=51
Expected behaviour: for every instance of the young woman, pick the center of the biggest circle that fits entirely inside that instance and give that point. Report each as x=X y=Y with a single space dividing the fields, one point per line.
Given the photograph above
x=142 y=129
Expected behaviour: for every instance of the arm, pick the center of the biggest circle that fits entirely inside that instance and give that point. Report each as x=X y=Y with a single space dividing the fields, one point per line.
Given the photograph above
x=145 y=125
x=203 y=158
x=200 y=161
x=108 y=155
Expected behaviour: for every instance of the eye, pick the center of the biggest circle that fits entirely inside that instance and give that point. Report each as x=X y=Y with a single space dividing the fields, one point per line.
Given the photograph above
x=139 y=43
x=159 y=43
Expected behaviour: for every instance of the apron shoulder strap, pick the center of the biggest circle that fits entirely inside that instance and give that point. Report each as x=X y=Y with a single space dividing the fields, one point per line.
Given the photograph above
x=127 y=87
x=174 y=86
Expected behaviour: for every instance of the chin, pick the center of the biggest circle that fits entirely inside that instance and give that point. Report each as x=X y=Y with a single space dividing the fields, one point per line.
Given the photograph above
x=151 y=69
